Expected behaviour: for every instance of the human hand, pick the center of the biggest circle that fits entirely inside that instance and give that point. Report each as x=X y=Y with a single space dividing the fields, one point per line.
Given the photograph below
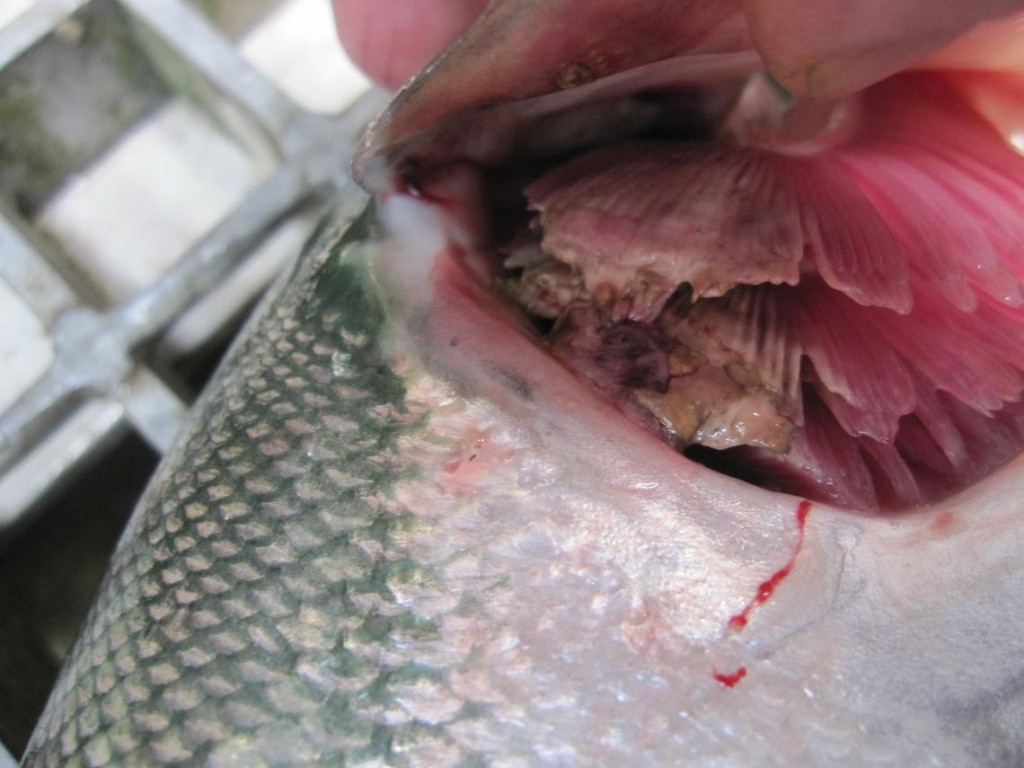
x=391 y=40
x=833 y=47
x=813 y=47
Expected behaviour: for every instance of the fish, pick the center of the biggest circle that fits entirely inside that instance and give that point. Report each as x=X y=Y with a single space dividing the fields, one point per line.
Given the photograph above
x=400 y=531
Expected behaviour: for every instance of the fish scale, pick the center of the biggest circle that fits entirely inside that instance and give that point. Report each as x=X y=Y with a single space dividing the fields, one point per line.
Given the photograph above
x=220 y=631
x=360 y=556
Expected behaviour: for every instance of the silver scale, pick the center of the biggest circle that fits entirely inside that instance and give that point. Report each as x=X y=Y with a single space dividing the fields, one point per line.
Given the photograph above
x=160 y=161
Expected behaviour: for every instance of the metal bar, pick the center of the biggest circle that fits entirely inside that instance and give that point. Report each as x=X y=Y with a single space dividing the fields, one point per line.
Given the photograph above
x=32 y=26
x=211 y=259
x=6 y=758
x=89 y=358
x=193 y=38
x=208 y=262
x=153 y=409
x=76 y=440
x=27 y=272
x=92 y=350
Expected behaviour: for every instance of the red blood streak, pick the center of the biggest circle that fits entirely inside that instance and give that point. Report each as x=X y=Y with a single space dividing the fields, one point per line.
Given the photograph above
x=767 y=587
x=731 y=678
x=764 y=591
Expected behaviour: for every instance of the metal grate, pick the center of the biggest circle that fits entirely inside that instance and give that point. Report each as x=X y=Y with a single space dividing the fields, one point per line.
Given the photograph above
x=152 y=181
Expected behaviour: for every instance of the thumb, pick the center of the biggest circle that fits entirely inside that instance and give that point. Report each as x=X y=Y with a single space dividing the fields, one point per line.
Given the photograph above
x=391 y=40
x=829 y=48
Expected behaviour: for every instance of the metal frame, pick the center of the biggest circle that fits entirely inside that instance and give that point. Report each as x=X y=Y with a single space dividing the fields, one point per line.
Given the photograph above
x=96 y=387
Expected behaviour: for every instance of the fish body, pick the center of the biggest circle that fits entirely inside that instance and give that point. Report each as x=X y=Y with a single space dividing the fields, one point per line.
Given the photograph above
x=365 y=553
x=399 y=532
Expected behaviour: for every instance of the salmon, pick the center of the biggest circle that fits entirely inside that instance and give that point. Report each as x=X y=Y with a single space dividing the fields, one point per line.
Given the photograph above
x=417 y=520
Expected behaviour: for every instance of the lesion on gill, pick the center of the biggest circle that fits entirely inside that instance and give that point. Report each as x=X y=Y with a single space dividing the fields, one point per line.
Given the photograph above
x=700 y=371
x=814 y=302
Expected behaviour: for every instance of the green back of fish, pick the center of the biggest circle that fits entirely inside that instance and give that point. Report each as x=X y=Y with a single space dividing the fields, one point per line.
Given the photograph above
x=248 y=617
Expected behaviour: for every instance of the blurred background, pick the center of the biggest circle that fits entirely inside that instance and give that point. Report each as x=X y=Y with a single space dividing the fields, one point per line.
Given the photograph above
x=161 y=161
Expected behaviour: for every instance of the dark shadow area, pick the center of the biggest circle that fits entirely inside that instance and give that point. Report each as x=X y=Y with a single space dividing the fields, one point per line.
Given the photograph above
x=49 y=577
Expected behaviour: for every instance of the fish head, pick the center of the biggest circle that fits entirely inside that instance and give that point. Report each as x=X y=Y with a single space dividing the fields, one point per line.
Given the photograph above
x=890 y=307
x=519 y=50
x=656 y=166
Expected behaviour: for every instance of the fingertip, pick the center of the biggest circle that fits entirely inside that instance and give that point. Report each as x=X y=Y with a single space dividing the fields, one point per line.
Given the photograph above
x=830 y=48
x=391 y=40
